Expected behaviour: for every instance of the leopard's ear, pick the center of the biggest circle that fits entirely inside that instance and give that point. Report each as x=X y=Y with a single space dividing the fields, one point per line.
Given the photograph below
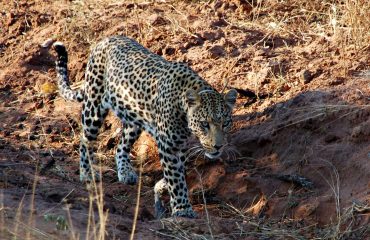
x=230 y=98
x=192 y=98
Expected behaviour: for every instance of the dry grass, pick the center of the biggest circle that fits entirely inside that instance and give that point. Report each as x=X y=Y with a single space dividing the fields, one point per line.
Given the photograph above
x=351 y=23
x=141 y=157
x=343 y=226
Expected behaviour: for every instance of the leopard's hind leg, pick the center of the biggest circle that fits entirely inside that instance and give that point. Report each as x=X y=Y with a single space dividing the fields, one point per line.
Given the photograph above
x=93 y=115
x=92 y=120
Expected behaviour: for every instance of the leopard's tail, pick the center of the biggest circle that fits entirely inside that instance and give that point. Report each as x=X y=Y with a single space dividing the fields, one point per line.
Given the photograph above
x=62 y=73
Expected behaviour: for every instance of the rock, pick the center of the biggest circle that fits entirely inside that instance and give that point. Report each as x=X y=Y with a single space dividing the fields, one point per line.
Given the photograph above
x=216 y=51
x=336 y=81
x=296 y=179
x=304 y=210
x=306 y=76
x=361 y=132
x=331 y=138
x=212 y=35
x=194 y=41
x=157 y=20
x=170 y=51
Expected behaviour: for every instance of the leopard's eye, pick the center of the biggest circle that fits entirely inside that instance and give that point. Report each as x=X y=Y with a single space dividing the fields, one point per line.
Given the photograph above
x=204 y=124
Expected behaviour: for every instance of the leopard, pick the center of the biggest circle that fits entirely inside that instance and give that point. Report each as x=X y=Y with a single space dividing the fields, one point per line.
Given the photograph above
x=166 y=99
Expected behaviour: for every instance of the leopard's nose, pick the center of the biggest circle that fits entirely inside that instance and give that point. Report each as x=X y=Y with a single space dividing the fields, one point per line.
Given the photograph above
x=217 y=147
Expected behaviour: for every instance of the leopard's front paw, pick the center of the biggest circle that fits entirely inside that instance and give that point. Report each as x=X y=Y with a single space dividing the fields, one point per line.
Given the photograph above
x=129 y=177
x=88 y=177
x=188 y=213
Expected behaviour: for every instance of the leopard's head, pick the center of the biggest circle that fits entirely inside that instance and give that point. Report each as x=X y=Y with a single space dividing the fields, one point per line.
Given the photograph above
x=209 y=118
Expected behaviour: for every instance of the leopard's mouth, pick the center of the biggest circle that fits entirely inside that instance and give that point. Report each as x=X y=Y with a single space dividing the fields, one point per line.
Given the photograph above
x=213 y=155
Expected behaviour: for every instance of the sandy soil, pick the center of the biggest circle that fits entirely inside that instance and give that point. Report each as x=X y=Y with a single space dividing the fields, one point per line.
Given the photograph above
x=301 y=165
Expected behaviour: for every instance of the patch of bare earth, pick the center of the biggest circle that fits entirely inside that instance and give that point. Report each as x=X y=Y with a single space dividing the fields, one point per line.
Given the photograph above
x=298 y=166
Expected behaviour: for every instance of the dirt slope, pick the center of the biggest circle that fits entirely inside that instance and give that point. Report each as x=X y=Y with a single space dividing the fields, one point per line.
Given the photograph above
x=300 y=160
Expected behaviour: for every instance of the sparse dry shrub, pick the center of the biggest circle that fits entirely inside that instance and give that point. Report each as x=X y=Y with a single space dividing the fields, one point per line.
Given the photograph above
x=355 y=22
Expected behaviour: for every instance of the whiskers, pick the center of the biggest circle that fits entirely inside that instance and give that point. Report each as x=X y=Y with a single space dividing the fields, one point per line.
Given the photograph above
x=197 y=151
x=231 y=152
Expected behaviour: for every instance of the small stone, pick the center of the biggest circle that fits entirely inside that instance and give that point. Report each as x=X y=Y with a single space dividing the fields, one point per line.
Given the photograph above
x=157 y=20
x=169 y=51
x=195 y=41
x=331 y=138
x=216 y=51
x=361 y=132
x=212 y=35
x=304 y=210
x=306 y=76
x=336 y=81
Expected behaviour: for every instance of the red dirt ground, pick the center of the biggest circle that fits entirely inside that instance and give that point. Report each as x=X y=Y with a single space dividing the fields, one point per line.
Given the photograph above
x=301 y=166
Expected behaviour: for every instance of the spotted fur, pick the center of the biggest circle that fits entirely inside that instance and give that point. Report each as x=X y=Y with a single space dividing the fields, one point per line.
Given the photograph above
x=166 y=99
